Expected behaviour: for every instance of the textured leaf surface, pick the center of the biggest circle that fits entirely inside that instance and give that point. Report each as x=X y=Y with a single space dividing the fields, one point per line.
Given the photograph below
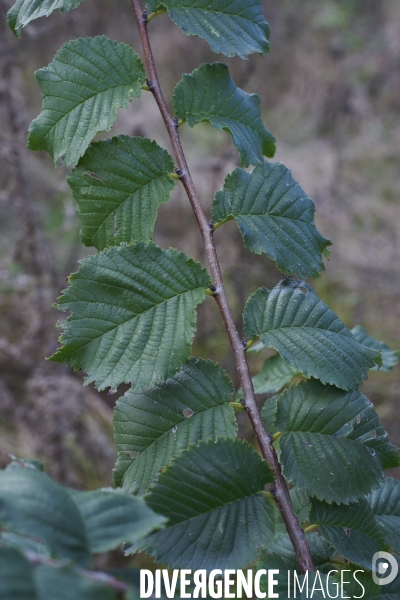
x=280 y=555
x=301 y=505
x=274 y=375
x=210 y=94
x=352 y=530
x=390 y=358
x=119 y=185
x=385 y=504
x=218 y=515
x=333 y=444
x=229 y=27
x=67 y=584
x=88 y=80
x=268 y=413
x=112 y=517
x=33 y=505
x=25 y=11
x=274 y=216
x=153 y=426
x=321 y=551
x=308 y=334
x=133 y=314
x=16 y=576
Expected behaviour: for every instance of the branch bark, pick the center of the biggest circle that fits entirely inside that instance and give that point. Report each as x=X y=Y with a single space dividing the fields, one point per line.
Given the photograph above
x=280 y=492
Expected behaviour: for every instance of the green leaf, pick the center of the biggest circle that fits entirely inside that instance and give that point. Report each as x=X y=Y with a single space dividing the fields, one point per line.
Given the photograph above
x=274 y=216
x=274 y=375
x=333 y=444
x=133 y=314
x=65 y=583
x=218 y=515
x=25 y=544
x=229 y=27
x=33 y=505
x=301 y=504
x=281 y=555
x=352 y=530
x=268 y=413
x=154 y=426
x=390 y=358
x=356 y=579
x=119 y=185
x=385 y=504
x=25 y=11
x=307 y=333
x=16 y=576
x=321 y=551
x=210 y=94
x=88 y=80
x=112 y=517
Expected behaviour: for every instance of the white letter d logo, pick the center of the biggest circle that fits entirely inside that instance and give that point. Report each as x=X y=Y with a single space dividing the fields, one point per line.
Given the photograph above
x=383 y=567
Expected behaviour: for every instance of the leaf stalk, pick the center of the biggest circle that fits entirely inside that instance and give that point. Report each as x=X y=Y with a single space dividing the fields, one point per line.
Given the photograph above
x=311 y=528
x=251 y=342
x=155 y=14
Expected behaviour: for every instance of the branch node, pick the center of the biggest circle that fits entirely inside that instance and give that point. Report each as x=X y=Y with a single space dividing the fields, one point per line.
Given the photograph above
x=145 y=16
x=149 y=83
x=211 y=224
x=242 y=401
x=176 y=121
x=244 y=343
x=179 y=172
x=213 y=288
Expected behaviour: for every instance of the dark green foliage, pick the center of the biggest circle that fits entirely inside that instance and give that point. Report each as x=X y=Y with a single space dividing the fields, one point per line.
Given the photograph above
x=229 y=27
x=83 y=88
x=153 y=426
x=139 y=325
x=274 y=375
x=351 y=530
x=307 y=333
x=390 y=358
x=33 y=505
x=332 y=445
x=119 y=185
x=16 y=576
x=274 y=216
x=228 y=476
x=385 y=505
x=44 y=520
x=210 y=94
x=25 y=11
x=191 y=494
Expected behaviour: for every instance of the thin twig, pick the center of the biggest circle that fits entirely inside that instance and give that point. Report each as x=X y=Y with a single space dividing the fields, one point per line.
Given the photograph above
x=281 y=493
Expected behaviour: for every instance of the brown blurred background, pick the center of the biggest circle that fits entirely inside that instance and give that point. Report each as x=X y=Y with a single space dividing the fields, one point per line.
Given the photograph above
x=330 y=93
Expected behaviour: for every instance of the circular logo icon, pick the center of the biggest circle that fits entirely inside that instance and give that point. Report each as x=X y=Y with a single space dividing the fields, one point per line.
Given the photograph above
x=387 y=568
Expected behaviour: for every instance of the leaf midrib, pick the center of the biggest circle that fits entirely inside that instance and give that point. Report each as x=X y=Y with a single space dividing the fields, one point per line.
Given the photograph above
x=130 y=195
x=167 y=433
x=217 y=12
x=69 y=320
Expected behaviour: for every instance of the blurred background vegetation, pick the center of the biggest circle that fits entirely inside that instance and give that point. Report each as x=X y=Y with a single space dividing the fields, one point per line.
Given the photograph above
x=330 y=93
